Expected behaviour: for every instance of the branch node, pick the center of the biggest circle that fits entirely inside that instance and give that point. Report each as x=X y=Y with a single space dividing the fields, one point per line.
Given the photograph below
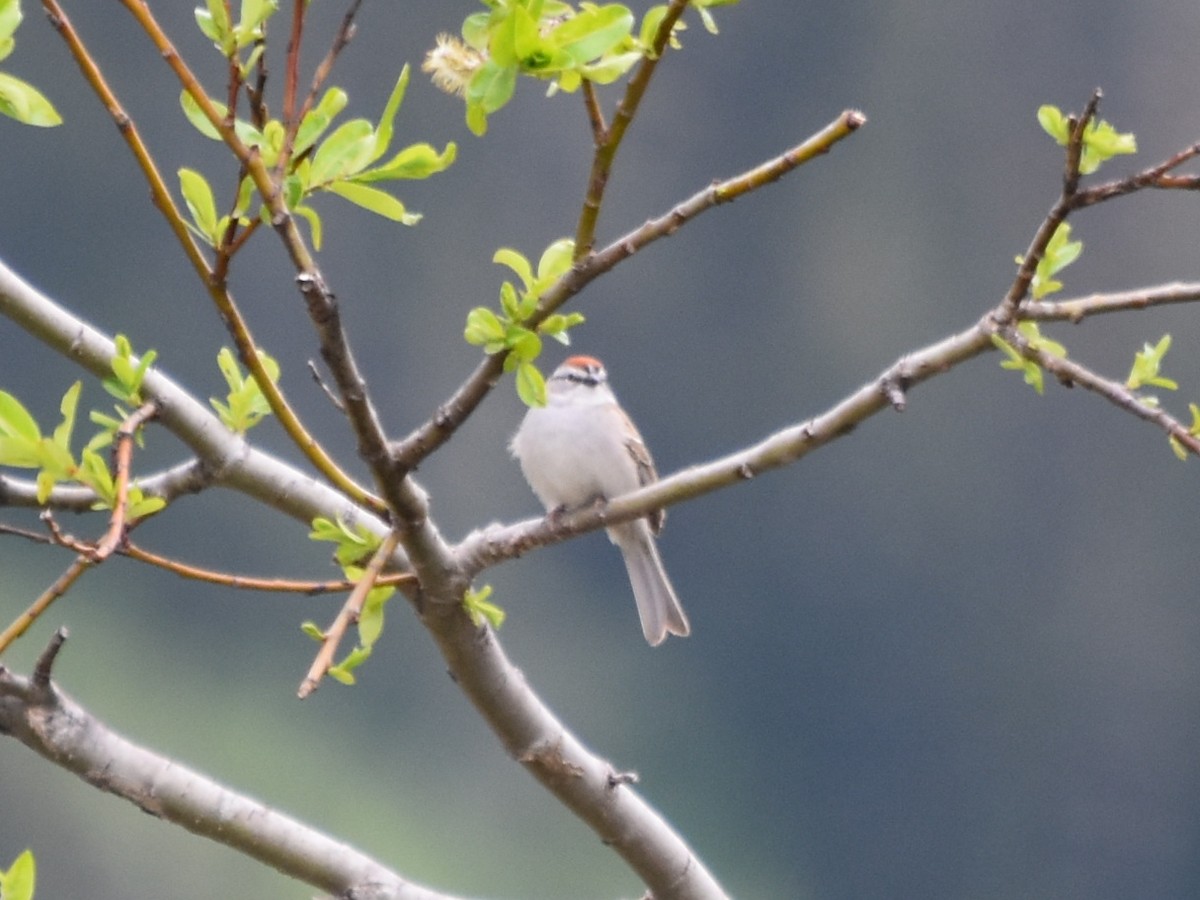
x=325 y=389
x=616 y=779
x=45 y=662
x=893 y=388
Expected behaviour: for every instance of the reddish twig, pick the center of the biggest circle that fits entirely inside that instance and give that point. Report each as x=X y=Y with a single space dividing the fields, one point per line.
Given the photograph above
x=347 y=616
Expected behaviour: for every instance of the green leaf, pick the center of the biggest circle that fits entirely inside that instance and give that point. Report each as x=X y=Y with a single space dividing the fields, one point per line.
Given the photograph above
x=194 y=114
x=313 y=631
x=214 y=22
x=1101 y=142
x=314 y=222
x=480 y=608
x=244 y=405
x=556 y=260
x=15 y=420
x=594 y=31
x=200 y=203
x=341 y=672
x=475 y=30
x=140 y=507
x=531 y=386
x=516 y=261
x=1030 y=369
x=250 y=26
x=370 y=621
x=483 y=328
x=20 y=452
x=70 y=401
x=1060 y=252
x=352 y=545
x=383 y=134
x=19 y=881
x=10 y=18
x=524 y=346
x=377 y=201
x=557 y=326
x=246 y=133
x=509 y=302
x=610 y=68
x=25 y=103
x=1147 y=365
x=1054 y=123
x=476 y=119
x=345 y=152
x=319 y=118
x=491 y=87
x=93 y=471
x=413 y=162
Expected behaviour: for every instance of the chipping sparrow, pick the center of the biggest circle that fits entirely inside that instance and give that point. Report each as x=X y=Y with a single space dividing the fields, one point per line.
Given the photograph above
x=581 y=447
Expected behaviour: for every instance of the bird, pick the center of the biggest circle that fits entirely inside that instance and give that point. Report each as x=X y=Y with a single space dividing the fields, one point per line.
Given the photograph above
x=582 y=447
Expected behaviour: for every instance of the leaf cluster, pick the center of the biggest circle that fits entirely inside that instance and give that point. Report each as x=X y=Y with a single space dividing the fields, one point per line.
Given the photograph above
x=1028 y=367
x=547 y=40
x=1101 y=141
x=19 y=880
x=23 y=444
x=18 y=99
x=230 y=37
x=508 y=332
x=1060 y=252
x=344 y=161
x=354 y=546
x=244 y=405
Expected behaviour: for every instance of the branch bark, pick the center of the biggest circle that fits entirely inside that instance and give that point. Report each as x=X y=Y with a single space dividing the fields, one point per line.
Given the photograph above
x=43 y=718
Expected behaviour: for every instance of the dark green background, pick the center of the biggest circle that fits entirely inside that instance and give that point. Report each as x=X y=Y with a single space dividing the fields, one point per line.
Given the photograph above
x=952 y=656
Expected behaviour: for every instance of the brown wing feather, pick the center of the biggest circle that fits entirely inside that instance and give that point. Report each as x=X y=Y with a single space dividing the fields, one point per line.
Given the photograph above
x=646 y=475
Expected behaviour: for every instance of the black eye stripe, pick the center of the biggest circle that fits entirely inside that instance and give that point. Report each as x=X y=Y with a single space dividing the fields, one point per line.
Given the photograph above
x=589 y=376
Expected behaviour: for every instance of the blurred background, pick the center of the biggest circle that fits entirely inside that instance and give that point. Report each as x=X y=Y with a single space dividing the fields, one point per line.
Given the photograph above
x=952 y=655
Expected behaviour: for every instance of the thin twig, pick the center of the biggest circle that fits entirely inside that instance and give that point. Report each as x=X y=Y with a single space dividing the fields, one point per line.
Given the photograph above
x=1156 y=177
x=89 y=556
x=591 y=102
x=1076 y=309
x=60 y=586
x=325 y=389
x=1070 y=373
x=255 y=583
x=45 y=661
x=627 y=107
x=122 y=460
x=347 y=616
x=291 y=69
x=345 y=34
x=1019 y=290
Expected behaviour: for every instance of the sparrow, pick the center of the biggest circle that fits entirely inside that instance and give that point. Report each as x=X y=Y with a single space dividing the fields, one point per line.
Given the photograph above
x=582 y=447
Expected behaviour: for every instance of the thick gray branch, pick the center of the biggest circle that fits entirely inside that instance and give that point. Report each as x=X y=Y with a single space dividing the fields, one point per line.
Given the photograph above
x=53 y=725
x=527 y=728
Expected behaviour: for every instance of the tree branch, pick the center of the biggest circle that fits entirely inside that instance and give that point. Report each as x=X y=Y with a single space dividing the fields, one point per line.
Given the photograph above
x=185 y=478
x=47 y=721
x=1076 y=309
x=482 y=549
